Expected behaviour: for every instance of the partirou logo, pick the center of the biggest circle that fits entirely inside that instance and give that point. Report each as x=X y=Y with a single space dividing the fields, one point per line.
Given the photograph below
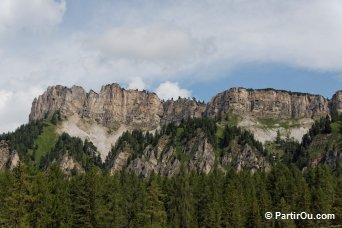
x=277 y=215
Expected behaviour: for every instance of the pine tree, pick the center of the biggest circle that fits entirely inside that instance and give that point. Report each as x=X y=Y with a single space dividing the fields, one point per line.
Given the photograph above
x=60 y=205
x=16 y=203
x=39 y=211
x=233 y=206
x=154 y=210
x=322 y=192
x=181 y=202
x=327 y=125
x=110 y=200
x=84 y=193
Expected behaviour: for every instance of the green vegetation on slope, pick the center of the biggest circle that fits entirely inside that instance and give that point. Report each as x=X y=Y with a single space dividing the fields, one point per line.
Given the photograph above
x=229 y=119
x=23 y=138
x=85 y=153
x=336 y=127
x=33 y=198
x=269 y=123
x=45 y=142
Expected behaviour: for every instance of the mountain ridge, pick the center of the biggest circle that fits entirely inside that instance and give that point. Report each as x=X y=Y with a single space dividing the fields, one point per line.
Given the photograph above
x=77 y=100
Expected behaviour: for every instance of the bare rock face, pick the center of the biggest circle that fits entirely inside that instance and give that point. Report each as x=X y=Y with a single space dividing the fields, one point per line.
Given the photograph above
x=4 y=154
x=146 y=164
x=58 y=98
x=162 y=159
x=159 y=159
x=246 y=158
x=268 y=103
x=111 y=107
x=14 y=160
x=67 y=165
x=203 y=155
x=8 y=159
x=336 y=102
x=175 y=111
x=114 y=106
x=119 y=162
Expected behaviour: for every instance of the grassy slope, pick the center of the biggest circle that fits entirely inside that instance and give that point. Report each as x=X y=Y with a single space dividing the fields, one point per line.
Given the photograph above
x=272 y=123
x=230 y=120
x=45 y=142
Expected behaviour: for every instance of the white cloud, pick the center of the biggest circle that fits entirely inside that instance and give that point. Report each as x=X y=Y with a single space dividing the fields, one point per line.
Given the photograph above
x=4 y=97
x=136 y=83
x=32 y=15
x=168 y=90
x=147 y=43
x=113 y=41
x=13 y=104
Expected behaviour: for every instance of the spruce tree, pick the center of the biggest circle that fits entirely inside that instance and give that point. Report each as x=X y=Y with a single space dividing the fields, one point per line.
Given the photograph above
x=154 y=210
x=16 y=203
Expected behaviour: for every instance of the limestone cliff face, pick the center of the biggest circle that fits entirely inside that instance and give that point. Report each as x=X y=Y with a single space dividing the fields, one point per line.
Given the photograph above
x=268 y=103
x=336 y=102
x=8 y=159
x=114 y=106
x=67 y=164
x=175 y=111
x=111 y=107
x=198 y=156
x=245 y=157
x=58 y=98
x=4 y=155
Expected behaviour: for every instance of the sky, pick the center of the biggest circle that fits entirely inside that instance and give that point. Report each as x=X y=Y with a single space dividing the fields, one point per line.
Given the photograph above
x=174 y=48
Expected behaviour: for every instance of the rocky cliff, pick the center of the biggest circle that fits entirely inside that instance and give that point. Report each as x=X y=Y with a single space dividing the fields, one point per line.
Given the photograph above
x=114 y=106
x=175 y=111
x=196 y=155
x=8 y=159
x=4 y=154
x=111 y=107
x=336 y=102
x=268 y=103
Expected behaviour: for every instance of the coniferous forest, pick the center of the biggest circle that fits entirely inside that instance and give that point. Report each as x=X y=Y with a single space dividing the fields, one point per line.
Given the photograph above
x=33 y=198
x=41 y=195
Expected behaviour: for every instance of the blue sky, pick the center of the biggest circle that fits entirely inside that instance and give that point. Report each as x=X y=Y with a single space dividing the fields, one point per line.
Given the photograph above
x=175 y=48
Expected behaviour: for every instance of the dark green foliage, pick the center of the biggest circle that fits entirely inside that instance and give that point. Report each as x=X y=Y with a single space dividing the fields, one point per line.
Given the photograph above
x=298 y=153
x=229 y=134
x=335 y=116
x=22 y=139
x=136 y=141
x=32 y=198
x=189 y=126
x=84 y=153
x=327 y=125
x=248 y=138
x=55 y=118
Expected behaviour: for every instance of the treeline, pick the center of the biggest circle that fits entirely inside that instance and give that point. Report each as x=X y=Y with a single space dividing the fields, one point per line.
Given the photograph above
x=299 y=153
x=32 y=198
x=22 y=139
x=182 y=133
x=85 y=153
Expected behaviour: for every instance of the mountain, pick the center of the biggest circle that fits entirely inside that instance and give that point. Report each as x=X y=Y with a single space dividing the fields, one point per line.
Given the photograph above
x=125 y=158
x=137 y=131
x=144 y=110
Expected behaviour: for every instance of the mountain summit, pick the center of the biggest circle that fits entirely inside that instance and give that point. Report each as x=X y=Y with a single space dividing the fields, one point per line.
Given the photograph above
x=137 y=131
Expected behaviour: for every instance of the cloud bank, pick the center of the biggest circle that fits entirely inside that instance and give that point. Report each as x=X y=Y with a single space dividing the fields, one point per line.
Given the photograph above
x=171 y=90
x=154 y=44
